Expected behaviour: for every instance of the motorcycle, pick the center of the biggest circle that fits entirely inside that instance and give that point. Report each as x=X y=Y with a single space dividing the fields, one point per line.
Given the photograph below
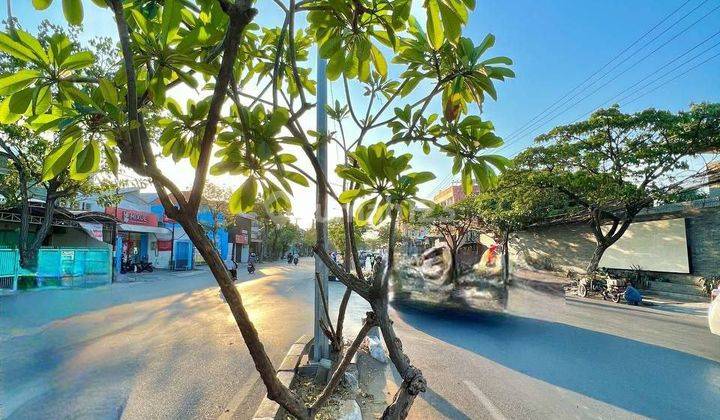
x=251 y=268
x=295 y=260
x=129 y=266
x=610 y=289
x=144 y=266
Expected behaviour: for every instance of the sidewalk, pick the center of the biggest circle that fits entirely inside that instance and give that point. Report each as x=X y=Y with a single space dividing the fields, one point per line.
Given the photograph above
x=555 y=284
x=25 y=312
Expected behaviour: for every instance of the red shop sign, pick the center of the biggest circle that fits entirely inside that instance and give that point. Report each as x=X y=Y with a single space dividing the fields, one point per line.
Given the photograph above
x=133 y=217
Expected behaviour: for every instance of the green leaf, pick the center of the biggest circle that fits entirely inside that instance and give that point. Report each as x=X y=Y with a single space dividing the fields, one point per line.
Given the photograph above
x=349 y=195
x=111 y=158
x=41 y=4
x=41 y=100
x=498 y=161
x=78 y=60
x=435 y=33
x=108 y=91
x=466 y=180
x=452 y=24
x=336 y=64
x=34 y=45
x=380 y=212
x=20 y=101
x=73 y=11
x=99 y=3
x=379 y=61
x=171 y=16
x=17 y=81
x=243 y=199
x=297 y=178
x=363 y=211
x=421 y=177
x=86 y=162
x=330 y=46
x=59 y=159
x=7 y=116
x=15 y=49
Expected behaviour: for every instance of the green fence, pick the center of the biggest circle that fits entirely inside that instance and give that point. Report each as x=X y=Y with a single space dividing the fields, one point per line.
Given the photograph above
x=65 y=267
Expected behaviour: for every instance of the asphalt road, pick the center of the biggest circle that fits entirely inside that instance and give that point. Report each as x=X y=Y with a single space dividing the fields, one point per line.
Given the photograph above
x=169 y=349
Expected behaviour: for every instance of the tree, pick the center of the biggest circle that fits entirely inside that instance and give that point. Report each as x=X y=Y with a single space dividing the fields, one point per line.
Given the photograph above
x=24 y=152
x=215 y=200
x=336 y=234
x=255 y=135
x=614 y=165
x=515 y=204
x=453 y=223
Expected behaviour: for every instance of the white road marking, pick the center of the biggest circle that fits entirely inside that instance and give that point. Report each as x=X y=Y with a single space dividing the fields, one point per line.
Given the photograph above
x=485 y=401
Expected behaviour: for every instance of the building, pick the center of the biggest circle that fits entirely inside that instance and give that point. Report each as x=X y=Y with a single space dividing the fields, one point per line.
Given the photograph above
x=713 y=171
x=244 y=237
x=76 y=252
x=452 y=195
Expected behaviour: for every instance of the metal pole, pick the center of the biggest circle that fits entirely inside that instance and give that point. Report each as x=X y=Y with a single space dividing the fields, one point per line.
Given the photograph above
x=322 y=345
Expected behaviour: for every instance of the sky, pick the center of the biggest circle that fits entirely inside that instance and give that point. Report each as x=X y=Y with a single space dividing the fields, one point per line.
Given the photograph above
x=571 y=57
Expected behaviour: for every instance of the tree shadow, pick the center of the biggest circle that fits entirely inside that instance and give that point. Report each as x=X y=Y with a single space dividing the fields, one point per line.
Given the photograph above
x=641 y=378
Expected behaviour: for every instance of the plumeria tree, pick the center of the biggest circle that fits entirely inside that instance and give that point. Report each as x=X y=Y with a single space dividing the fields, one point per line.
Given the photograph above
x=253 y=91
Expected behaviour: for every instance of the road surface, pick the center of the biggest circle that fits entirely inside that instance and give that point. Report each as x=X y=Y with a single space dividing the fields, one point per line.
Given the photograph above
x=169 y=349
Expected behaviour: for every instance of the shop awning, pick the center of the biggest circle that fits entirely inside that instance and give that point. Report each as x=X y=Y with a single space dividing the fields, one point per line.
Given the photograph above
x=163 y=234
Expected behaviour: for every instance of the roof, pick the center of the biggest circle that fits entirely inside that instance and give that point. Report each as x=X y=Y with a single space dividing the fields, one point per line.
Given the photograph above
x=37 y=208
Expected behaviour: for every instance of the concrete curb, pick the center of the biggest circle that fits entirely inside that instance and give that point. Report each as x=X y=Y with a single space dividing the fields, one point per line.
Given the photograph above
x=269 y=409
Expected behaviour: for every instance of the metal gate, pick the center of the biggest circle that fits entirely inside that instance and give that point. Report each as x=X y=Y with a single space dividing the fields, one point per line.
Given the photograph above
x=63 y=267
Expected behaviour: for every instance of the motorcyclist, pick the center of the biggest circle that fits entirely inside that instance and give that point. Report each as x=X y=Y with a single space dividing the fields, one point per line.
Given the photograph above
x=251 y=263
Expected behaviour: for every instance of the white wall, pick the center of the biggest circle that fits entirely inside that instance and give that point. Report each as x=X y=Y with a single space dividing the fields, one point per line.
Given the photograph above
x=659 y=245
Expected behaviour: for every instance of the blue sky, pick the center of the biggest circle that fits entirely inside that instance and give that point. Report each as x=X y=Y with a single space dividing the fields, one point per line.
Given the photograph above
x=556 y=44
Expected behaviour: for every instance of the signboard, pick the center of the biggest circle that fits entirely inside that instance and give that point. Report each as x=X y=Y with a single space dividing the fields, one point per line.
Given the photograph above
x=164 y=245
x=241 y=238
x=659 y=245
x=133 y=217
x=95 y=230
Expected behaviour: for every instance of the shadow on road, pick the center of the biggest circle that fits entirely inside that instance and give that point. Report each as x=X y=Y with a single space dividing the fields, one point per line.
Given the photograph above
x=642 y=378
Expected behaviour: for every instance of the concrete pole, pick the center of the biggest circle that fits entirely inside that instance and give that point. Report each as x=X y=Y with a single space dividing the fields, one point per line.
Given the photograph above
x=322 y=345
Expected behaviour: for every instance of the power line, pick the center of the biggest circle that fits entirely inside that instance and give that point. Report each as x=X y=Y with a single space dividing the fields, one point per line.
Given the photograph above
x=625 y=93
x=553 y=114
x=563 y=111
x=674 y=78
x=667 y=64
x=551 y=106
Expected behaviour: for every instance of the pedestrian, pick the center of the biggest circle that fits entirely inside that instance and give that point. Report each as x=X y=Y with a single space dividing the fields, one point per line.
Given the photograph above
x=231 y=266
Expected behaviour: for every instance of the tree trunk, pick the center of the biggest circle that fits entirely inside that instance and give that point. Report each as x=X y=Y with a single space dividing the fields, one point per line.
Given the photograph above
x=275 y=390
x=29 y=250
x=506 y=258
x=597 y=255
x=413 y=380
x=452 y=272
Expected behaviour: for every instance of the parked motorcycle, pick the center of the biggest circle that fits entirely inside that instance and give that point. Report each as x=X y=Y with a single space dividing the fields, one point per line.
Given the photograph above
x=130 y=266
x=144 y=266
x=607 y=287
x=251 y=268
x=295 y=260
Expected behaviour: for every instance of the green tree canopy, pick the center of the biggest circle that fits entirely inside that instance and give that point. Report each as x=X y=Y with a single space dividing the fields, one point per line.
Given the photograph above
x=615 y=164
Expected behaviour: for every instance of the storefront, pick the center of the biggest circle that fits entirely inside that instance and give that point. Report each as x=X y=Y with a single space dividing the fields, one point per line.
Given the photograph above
x=139 y=237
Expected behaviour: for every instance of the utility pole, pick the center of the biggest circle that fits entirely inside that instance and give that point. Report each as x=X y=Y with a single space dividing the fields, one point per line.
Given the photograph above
x=11 y=22
x=322 y=345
